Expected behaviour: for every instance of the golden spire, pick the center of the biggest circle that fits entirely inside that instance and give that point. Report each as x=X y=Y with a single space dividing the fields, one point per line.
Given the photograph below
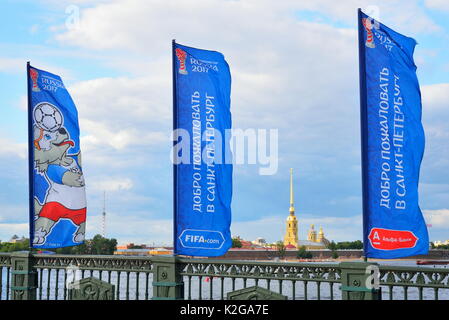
x=291 y=236
x=292 y=208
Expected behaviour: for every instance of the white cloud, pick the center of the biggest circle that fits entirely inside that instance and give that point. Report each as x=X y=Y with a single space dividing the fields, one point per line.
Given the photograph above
x=435 y=97
x=12 y=65
x=17 y=65
x=137 y=99
x=23 y=103
x=13 y=220
x=440 y=5
x=437 y=218
x=120 y=115
x=435 y=100
x=121 y=112
x=132 y=229
x=114 y=184
x=156 y=21
x=16 y=213
x=410 y=17
x=7 y=230
x=11 y=149
x=103 y=134
x=268 y=76
x=269 y=50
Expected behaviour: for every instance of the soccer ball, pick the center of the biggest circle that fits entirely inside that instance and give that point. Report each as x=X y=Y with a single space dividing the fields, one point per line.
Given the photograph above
x=47 y=117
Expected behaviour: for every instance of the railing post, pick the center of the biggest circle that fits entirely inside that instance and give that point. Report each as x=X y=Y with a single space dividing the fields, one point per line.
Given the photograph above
x=167 y=280
x=360 y=281
x=24 y=276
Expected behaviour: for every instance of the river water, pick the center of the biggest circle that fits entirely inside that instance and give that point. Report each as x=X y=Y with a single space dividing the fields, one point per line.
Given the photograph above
x=49 y=292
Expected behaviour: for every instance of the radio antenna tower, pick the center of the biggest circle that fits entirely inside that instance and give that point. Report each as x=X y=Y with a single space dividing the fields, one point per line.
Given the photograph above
x=103 y=222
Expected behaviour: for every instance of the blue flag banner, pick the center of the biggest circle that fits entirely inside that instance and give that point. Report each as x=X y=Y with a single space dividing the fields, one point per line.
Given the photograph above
x=57 y=193
x=202 y=176
x=392 y=143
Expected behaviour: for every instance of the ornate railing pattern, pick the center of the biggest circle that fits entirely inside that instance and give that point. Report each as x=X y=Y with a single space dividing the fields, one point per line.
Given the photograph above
x=269 y=275
x=409 y=278
x=26 y=276
x=132 y=273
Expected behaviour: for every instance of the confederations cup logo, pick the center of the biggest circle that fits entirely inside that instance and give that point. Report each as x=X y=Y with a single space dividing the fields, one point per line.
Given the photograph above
x=182 y=55
x=370 y=37
x=33 y=75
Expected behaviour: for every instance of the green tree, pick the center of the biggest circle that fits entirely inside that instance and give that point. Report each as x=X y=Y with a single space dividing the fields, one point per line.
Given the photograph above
x=332 y=246
x=303 y=253
x=280 y=247
x=23 y=245
x=65 y=250
x=98 y=245
x=334 y=254
x=345 y=245
x=136 y=247
x=236 y=243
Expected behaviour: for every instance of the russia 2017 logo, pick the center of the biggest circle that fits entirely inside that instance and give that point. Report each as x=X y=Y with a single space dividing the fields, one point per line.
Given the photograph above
x=369 y=33
x=181 y=55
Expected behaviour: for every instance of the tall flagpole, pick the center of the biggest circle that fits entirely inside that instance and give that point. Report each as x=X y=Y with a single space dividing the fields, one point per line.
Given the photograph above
x=30 y=159
x=175 y=174
x=363 y=130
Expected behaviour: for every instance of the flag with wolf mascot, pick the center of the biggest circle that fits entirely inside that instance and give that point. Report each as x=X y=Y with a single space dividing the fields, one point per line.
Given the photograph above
x=57 y=189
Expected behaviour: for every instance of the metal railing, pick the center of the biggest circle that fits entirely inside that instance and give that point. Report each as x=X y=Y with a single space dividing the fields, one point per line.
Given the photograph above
x=282 y=277
x=47 y=277
x=415 y=282
x=5 y=271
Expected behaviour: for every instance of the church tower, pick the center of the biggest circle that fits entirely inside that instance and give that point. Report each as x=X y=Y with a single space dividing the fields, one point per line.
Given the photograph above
x=321 y=237
x=291 y=236
x=312 y=234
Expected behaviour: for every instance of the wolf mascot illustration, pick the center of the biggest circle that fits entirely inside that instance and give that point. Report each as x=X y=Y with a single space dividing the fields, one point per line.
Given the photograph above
x=65 y=196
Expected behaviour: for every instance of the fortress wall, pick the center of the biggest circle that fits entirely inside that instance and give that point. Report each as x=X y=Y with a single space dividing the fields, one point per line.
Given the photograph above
x=248 y=254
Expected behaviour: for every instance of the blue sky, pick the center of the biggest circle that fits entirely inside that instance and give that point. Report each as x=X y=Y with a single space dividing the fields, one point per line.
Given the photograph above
x=294 y=67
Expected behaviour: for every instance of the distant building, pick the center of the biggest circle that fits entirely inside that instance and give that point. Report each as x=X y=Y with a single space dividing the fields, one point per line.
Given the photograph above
x=312 y=234
x=440 y=243
x=131 y=249
x=260 y=242
x=291 y=240
x=291 y=234
x=142 y=252
x=322 y=238
x=314 y=241
x=131 y=246
x=15 y=239
x=246 y=244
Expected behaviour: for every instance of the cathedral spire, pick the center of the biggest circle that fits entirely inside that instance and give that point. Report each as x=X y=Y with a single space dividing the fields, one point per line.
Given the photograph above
x=292 y=207
x=291 y=235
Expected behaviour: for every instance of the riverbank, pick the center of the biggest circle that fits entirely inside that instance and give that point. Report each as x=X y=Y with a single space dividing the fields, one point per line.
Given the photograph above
x=323 y=255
